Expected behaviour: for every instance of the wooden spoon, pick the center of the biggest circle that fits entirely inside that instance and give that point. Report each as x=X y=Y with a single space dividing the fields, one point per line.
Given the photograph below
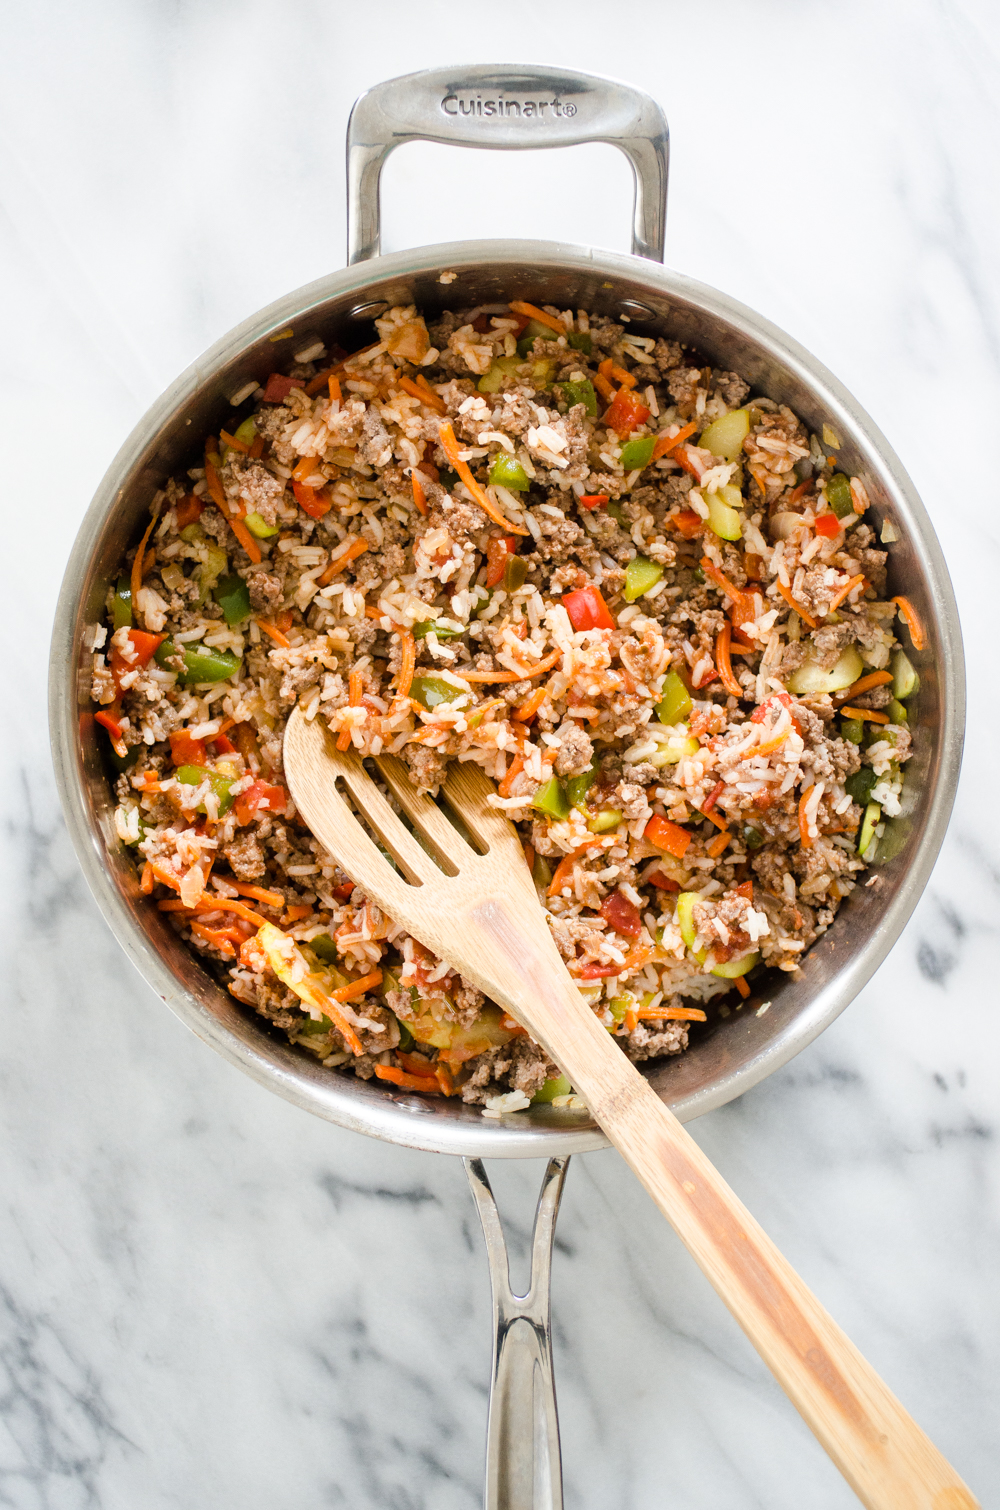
x=479 y=911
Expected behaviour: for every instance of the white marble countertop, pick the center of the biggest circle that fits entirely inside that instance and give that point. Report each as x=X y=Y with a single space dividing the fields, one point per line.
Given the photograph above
x=206 y=1296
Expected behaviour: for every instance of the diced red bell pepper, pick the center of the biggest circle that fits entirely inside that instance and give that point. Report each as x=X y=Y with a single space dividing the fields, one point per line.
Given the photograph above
x=261 y=794
x=662 y=882
x=315 y=501
x=222 y=745
x=587 y=609
x=625 y=413
x=745 y=889
x=279 y=387
x=498 y=548
x=621 y=915
x=688 y=523
x=666 y=835
x=594 y=500
x=185 y=750
x=188 y=511
x=145 y=647
x=827 y=525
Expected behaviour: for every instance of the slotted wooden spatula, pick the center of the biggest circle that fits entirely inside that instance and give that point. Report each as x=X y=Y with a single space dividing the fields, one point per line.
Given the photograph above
x=479 y=912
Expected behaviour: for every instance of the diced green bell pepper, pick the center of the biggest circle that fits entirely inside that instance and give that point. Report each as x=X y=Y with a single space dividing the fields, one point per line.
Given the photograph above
x=675 y=702
x=506 y=472
x=723 y=512
x=638 y=453
x=259 y=526
x=581 y=391
x=897 y=712
x=577 y=787
x=604 y=822
x=558 y=1086
x=859 y=784
x=432 y=691
x=122 y=607
x=200 y=664
x=905 y=680
x=551 y=800
x=515 y=573
x=616 y=512
x=725 y=435
x=247 y=432
x=541 y=872
x=122 y=762
x=530 y=335
x=852 y=729
x=194 y=775
x=838 y=491
x=581 y=340
x=752 y=836
x=868 y=824
x=640 y=575
x=674 y=751
x=233 y=597
x=313 y=1029
x=406 y=1038
x=211 y=570
x=502 y=367
x=430 y=626
x=324 y=948
x=619 y=1005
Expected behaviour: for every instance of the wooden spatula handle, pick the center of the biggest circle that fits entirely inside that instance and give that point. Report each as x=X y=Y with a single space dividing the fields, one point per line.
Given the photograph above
x=878 y=1447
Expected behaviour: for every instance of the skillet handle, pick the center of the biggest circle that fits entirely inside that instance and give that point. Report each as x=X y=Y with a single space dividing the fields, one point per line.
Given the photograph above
x=523 y=1461
x=514 y=107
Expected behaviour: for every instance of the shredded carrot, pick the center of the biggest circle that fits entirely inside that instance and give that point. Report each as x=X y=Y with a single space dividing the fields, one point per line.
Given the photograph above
x=305 y=467
x=231 y=441
x=800 y=491
x=803 y=821
x=212 y=480
x=297 y=913
x=429 y=1085
x=666 y=443
x=407 y=663
x=146 y=883
x=209 y=902
x=328 y=1006
x=794 y=603
x=245 y=538
x=336 y=397
x=671 y=1014
x=217 y=937
x=419 y=496
x=610 y=370
x=425 y=393
x=349 y=551
x=742 y=987
x=757 y=473
x=742 y=602
x=859 y=496
x=848 y=587
x=631 y=1020
x=356 y=686
x=604 y=388
x=909 y=613
x=164 y=876
x=724 y=663
x=565 y=866
x=534 y=313
x=538 y=669
x=869 y=713
x=863 y=684
x=357 y=987
x=450 y=447
x=137 y=564
x=719 y=844
x=258 y=894
x=531 y=705
x=443 y=1076
x=275 y=633
x=516 y=767
x=315 y=385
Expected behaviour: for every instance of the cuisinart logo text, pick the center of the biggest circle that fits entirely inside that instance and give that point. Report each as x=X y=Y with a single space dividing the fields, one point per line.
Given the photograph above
x=456 y=104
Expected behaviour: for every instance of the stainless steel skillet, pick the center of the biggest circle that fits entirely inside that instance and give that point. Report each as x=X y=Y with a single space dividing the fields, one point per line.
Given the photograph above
x=451 y=106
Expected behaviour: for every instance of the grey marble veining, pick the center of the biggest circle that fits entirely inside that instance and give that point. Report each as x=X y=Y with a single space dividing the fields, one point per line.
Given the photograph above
x=207 y=1297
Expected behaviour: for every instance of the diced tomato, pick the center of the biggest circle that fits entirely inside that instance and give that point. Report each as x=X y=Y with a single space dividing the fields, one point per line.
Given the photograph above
x=222 y=745
x=625 y=413
x=188 y=511
x=498 y=548
x=482 y=324
x=594 y=500
x=759 y=714
x=184 y=750
x=145 y=647
x=600 y=972
x=688 y=523
x=828 y=525
x=661 y=882
x=587 y=609
x=752 y=566
x=260 y=795
x=621 y=915
x=694 y=460
x=666 y=835
x=345 y=892
x=315 y=501
x=279 y=387
x=745 y=889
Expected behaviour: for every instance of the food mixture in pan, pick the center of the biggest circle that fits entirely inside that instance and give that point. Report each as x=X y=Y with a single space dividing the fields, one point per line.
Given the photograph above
x=648 y=604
